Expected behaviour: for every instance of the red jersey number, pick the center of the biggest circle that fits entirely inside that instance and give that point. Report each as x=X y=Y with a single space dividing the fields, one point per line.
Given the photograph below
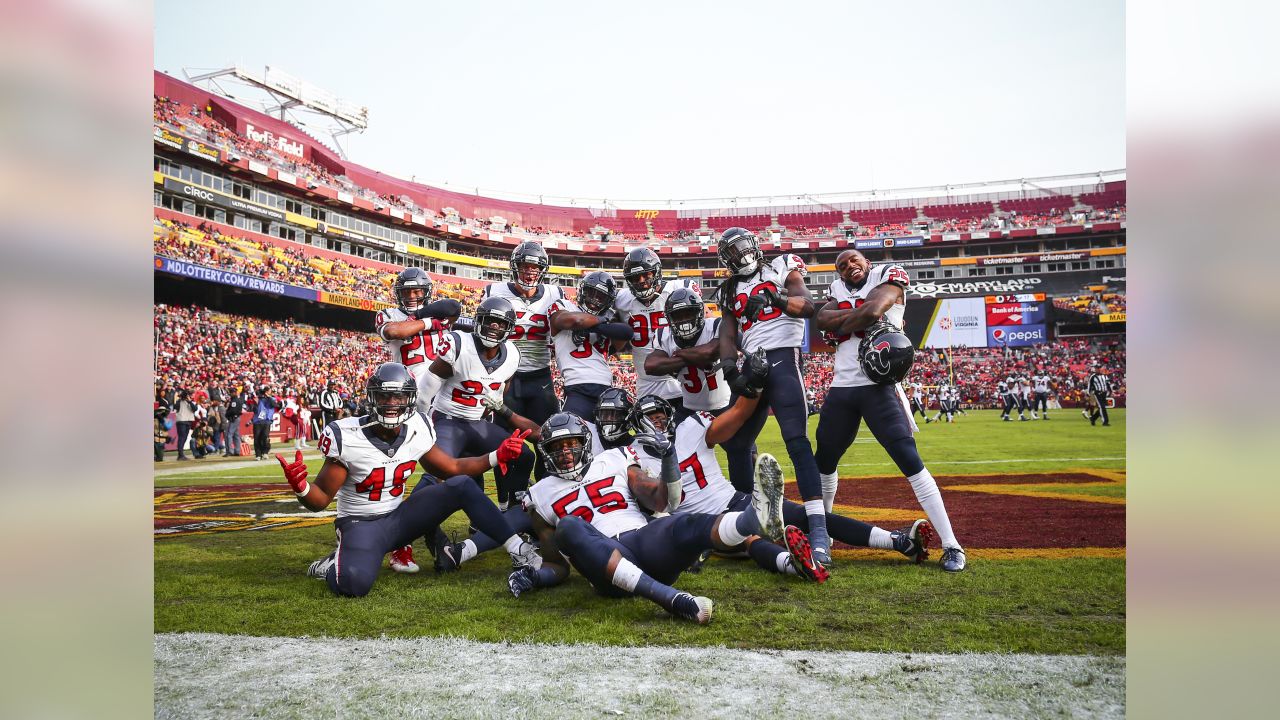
x=373 y=485
x=694 y=377
x=536 y=329
x=603 y=502
x=644 y=326
x=740 y=307
x=469 y=392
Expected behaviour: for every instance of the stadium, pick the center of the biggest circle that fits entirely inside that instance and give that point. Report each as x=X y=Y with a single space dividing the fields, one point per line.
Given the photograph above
x=274 y=255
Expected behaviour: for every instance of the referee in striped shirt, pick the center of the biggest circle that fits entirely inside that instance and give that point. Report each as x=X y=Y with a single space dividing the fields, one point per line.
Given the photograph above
x=1099 y=386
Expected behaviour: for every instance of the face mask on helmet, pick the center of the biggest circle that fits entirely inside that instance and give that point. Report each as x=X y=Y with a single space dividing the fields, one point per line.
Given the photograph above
x=643 y=283
x=612 y=422
x=686 y=324
x=492 y=329
x=594 y=299
x=741 y=255
x=412 y=289
x=653 y=414
x=411 y=298
x=391 y=408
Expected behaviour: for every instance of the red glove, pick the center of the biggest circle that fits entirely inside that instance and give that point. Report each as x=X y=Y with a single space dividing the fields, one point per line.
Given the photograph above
x=296 y=473
x=511 y=448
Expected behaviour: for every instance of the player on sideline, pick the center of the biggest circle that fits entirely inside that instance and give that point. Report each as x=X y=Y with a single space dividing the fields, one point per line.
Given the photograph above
x=530 y=392
x=412 y=332
x=368 y=459
x=860 y=298
x=588 y=510
x=1040 y=385
x=642 y=304
x=707 y=490
x=689 y=347
x=583 y=338
x=768 y=304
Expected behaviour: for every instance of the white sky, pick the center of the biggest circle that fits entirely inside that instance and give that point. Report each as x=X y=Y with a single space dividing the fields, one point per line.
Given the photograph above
x=692 y=99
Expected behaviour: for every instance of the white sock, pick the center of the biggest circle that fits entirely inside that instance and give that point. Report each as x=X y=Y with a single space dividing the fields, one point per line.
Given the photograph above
x=880 y=539
x=469 y=550
x=830 y=481
x=784 y=564
x=513 y=544
x=728 y=528
x=930 y=499
x=816 y=507
x=502 y=505
x=626 y=575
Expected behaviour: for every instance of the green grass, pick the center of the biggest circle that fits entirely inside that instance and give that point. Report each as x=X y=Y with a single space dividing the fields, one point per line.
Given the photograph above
x=253 y=582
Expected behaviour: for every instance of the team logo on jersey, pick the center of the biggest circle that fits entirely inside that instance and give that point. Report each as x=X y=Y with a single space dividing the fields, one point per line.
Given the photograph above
x=227 y=508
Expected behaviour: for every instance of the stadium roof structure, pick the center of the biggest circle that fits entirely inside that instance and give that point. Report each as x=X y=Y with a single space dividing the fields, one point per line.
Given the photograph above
x=276 y=93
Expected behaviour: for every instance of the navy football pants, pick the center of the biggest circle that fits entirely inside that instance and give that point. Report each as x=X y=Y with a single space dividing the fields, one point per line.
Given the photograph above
x=886 y=417
x=784 y=393
x=531 y=394
x=662 y=549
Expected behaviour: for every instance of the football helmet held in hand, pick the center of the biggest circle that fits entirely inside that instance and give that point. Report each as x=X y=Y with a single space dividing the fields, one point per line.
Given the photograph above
x=885 y=354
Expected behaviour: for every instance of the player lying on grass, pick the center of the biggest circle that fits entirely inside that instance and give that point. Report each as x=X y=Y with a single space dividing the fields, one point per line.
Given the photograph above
x=588 y=509
x=707 y=490
x=368 y=459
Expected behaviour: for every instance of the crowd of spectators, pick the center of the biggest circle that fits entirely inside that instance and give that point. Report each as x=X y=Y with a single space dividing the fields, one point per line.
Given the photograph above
x=1093 y=303
x=200 y=124
x=206 y=245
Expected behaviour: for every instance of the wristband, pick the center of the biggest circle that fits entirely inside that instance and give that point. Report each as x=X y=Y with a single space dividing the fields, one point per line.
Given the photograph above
x=493 y=459
x=306 y=488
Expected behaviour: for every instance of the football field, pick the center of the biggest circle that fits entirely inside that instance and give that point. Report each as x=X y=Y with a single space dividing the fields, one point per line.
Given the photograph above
x=1034 y=627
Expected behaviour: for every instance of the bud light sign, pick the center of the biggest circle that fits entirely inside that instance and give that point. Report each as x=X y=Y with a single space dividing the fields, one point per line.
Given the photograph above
x=1015 y=335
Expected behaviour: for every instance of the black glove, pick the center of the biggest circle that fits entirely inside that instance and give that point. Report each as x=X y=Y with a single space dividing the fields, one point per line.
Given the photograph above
x=756 y=304
x=655 y=443
x=439 y=309
x=755 y=372
x=580 y=337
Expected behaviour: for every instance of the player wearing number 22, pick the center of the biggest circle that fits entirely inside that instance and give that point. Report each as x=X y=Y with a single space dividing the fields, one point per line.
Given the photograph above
x=413 y=330
x=367 y=461
x=588 y=510
x=863 y=296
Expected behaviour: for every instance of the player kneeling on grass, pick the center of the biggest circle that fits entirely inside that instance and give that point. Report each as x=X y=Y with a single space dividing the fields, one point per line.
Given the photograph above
x=707 y=490
x=368 y=459
x=587 y=509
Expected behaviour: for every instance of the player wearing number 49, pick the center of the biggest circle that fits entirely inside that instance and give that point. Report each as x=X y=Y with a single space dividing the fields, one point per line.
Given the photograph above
x=368 y=459
x=866 y=300
x=413 y=329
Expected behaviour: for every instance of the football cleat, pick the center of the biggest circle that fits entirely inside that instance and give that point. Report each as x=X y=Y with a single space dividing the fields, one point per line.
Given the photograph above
x=802 y=556
x=526 y=556
x=402 y=560
x=522 y=580
x=696 y=567
x=697 y=609
x=320 y=568
x=952 y=559
x=448 y=555
x=766 y=499
x=914 y=541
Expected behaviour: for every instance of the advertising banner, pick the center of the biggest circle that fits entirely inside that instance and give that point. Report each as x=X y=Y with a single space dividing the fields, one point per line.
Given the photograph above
x=957 y=322
x=1016 y=336
x=164 y=136
x=199 y=149
x=223 y=277
x=196 y=192
x=1014 y=314
x=351 y=302
x=1112 y=317
x=646 y=214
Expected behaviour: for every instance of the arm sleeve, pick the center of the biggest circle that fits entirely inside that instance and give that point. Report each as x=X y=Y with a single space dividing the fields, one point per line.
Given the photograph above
x=613 y=331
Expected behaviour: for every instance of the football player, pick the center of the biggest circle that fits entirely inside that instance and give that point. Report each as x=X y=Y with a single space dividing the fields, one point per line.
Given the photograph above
x=642 y=305
x=917 y=399
x=583 y=338
x=688 y=348
x=413 y=330
x=707 y=490
x=530 y=393
x=1041 y=386
x=764 y=306
x=367 y=461
x=1005 y=393
x=588 y=510
x=1015 y=389
x=861 y=297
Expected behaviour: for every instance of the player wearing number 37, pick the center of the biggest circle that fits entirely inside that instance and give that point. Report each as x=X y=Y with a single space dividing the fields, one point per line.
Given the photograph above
x=366 y=463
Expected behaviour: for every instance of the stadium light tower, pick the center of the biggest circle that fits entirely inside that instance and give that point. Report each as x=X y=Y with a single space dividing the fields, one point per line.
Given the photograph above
x=295 y=101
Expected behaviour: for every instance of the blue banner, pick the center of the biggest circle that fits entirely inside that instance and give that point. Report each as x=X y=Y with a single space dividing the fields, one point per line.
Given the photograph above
x=223 y=277
x=1016 y=335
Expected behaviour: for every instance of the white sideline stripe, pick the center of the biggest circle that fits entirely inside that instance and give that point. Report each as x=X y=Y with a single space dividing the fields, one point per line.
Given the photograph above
x=993 y=462
x=208 y=675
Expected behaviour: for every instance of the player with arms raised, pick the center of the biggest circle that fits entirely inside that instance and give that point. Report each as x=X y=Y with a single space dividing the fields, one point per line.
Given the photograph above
x=367 y=461
x=868 y=303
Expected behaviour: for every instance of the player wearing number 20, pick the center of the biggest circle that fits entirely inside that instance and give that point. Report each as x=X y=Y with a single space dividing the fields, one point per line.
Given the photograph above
x=860 y=298
x=642 y=305
x=413 y=330
x=368 y=459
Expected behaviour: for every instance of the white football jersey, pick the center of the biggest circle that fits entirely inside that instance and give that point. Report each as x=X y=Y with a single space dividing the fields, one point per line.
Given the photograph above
x=1002 y=388
x=533 y=322
x=584 y=362
x=1040 y=383
x=848 y=371
x=774 y=329
x=699 y=389
x=917 y=389
x=473 y=377
x=704 y=488
x=376 y=470
x=646 y=319
x=417 y=352
x=602 y=496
